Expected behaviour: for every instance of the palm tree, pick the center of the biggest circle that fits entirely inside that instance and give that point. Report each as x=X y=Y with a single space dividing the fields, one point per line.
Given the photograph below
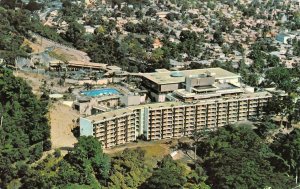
x=63 y=78
x=197 y=135
x=87 y=86
x=95 y=77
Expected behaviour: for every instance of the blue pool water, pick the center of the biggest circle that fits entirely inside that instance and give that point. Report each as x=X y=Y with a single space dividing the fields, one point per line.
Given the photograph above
x=100 y=92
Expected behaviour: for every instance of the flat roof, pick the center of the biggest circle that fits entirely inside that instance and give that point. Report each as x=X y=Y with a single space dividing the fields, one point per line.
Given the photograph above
x=77 y=63
x=109 y=114
x=165 y=77
x=129 y=110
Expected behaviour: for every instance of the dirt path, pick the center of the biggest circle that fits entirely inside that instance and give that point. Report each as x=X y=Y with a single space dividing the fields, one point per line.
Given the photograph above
x=61 y=120
x=42 y=44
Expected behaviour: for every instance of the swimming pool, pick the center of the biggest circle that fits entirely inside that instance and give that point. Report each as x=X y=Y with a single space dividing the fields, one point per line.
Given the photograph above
x=100 y=92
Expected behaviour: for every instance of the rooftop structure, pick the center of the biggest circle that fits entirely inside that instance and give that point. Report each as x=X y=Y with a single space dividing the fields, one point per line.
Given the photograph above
x=74 y=64
x=163 y=82
x=163 y=76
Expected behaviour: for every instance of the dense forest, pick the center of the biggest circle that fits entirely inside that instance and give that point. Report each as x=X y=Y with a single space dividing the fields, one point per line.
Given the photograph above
x=24 y=128
x=13 y=29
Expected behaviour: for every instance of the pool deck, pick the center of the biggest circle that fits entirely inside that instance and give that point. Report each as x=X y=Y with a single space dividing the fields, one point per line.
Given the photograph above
x=100 y=92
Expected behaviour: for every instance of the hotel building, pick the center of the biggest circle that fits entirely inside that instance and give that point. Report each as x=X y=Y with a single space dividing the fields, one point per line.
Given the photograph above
x=190 y=100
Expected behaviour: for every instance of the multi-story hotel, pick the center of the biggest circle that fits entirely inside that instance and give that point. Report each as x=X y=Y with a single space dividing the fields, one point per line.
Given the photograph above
x=195 y=99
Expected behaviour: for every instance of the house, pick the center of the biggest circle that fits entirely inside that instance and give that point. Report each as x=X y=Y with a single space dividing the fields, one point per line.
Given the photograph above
x=162 y=14
x=89 y=29
x=296 y=3
x=175 y=65
x=284 y=38
x=157 y=44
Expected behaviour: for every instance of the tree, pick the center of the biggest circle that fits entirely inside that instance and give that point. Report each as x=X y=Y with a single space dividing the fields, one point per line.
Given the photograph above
x=258 y=65
x=85 y=166
x=168 y=175
x=151 y=12
x=87 y=86
x=6 y=171
x=280 y=105
x=88 y=157
x=157 y=55
x=139 y=14
x=14 y=26
x=188 y=35
x=33 y=6
x=235 y=157
x=288 y=147
x=295 y=115
x=8 y=3
x=266 y=127
x=103 y=48
x=198 y=135
x=218 y=38
x=282 y=78
x=273 y=61
x=226 y=25
x=75 y=32
x=35 y=181
x=251 y=79
x=195 y=65
x=24 y=126
x=172 y=16
x=71 y=11
x=296 y=50
x=129 y=169
x=197 y=178
x=190 y=43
